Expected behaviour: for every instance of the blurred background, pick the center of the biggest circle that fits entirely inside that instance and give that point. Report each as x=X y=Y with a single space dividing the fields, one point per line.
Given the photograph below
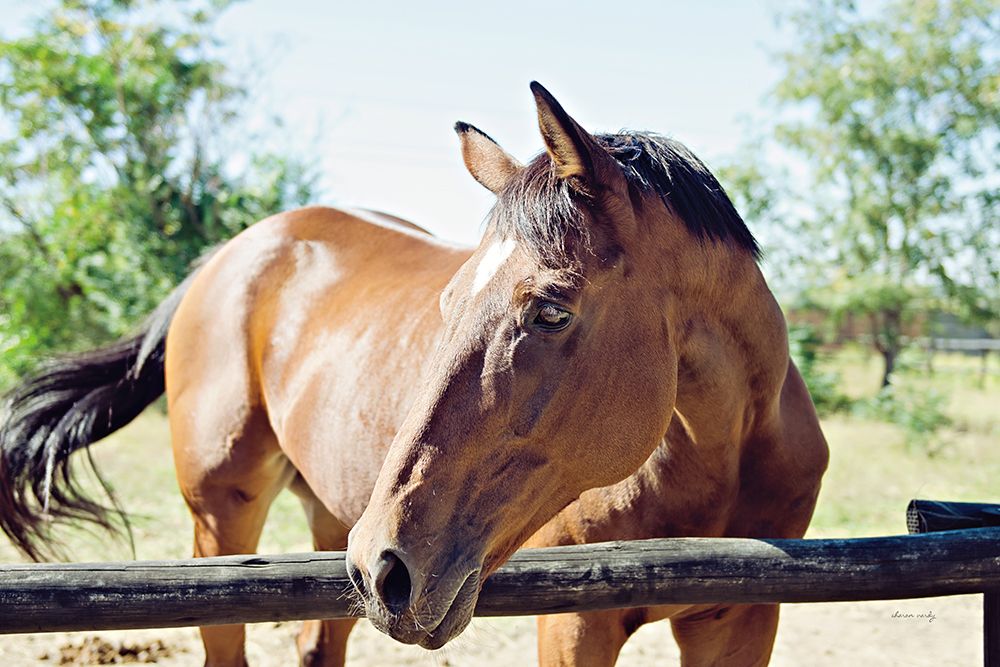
x=860 y=141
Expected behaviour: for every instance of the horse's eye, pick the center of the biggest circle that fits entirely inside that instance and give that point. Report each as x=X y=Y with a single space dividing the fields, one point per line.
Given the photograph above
x=551 y=317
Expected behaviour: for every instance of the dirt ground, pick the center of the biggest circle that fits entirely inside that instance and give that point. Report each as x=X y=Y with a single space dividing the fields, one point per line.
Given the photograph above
x=933 y=632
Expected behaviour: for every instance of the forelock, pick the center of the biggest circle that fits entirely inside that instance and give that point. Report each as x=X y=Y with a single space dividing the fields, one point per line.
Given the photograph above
x=541 y=212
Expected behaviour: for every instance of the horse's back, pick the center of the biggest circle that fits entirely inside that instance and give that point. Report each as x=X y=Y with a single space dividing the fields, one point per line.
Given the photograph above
x=286 y=266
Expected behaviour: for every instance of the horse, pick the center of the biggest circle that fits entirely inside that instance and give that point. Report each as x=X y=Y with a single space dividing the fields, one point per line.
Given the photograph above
x=607 y=364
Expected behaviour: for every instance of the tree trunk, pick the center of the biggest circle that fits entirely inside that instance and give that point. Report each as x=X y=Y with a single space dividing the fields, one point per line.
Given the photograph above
x=887 y=329
x=889 y=355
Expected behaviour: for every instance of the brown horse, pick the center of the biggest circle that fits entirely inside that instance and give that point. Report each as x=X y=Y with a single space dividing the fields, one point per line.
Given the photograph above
x=608 y=364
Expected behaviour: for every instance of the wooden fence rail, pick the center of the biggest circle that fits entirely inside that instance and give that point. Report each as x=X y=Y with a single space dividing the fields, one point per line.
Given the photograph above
x=247 y=589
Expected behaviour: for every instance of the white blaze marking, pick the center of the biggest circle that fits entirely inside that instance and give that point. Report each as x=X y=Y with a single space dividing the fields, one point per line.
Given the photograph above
x=494 y=258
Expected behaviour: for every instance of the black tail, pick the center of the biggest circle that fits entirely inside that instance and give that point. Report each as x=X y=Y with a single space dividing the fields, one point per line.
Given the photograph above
x=69 y=404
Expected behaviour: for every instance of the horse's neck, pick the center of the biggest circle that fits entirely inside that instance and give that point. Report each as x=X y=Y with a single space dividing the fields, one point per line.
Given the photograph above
x=732 y=358
x=732 y=355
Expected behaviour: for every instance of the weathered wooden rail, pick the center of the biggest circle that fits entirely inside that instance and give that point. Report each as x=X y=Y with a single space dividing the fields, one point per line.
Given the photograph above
x=239 y=589
x=247 y=589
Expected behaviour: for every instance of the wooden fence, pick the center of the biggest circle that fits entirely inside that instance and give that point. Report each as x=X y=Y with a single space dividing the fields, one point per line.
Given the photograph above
x=249 y=589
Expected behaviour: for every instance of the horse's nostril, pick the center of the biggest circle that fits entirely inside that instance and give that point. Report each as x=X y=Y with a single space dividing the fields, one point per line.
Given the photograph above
x=392 y=582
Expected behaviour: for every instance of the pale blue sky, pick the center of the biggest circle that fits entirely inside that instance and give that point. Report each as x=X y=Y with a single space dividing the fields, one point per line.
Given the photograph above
x=373 y=88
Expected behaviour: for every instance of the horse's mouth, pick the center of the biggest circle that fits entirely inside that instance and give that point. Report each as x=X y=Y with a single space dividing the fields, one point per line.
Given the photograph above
x=431 y=628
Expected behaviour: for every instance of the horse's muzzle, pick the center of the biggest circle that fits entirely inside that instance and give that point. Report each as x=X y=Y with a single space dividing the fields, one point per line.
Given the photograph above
x=412 y=604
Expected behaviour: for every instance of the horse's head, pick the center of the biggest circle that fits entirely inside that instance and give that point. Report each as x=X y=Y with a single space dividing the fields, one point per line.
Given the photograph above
x=556 y=373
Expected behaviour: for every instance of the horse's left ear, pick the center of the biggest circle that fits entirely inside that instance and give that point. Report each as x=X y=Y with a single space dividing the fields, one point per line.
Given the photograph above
x=486 y=161
x=573 y=150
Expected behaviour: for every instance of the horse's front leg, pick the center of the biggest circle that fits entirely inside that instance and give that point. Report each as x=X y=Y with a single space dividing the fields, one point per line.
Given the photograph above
x=322 y=643
x=727 y=635
x=590 y=638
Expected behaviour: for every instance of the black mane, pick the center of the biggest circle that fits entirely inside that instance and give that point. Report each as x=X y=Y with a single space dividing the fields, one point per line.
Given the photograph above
x=541 y=210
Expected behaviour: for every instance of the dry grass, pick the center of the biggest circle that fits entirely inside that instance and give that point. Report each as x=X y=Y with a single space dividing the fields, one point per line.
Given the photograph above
x=873 y=473
x=138 y=464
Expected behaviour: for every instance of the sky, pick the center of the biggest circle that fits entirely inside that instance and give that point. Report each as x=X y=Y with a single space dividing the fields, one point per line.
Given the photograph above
x=372 y=89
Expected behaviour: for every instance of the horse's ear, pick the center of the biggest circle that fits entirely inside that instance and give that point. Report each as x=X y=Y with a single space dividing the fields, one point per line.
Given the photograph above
x=573 y=151
x=486 y=161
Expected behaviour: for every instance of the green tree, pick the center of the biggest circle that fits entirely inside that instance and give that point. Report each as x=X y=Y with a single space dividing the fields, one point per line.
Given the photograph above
x=121 y=160
x=895 y=111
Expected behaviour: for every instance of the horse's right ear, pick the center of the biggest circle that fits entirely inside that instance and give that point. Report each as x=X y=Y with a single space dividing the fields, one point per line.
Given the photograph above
x=486 y=161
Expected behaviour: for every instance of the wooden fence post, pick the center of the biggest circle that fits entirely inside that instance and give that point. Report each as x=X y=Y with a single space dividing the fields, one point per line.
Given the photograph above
x=991 y=628
x=927 y=516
